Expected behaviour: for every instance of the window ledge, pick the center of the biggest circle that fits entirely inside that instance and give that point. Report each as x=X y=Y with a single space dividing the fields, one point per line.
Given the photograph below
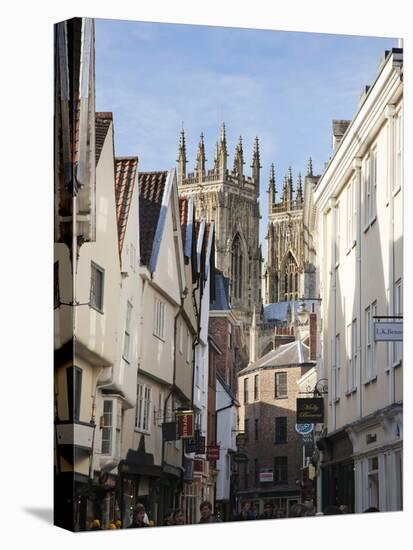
x=337 y=264
x=397 y=191
x=336 y=400
x=397 y=364
x=141 y=431
x=126 y=360
x=350 y=392
x=369 y=380
x=159 y=337
x=370 y=223
x=282 y=397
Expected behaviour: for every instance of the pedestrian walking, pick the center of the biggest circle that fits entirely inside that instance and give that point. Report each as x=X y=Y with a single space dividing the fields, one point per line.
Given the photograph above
x=269 y=512
x=311 y=510
x=206 y=513
x=246 y=512
x=95 y=525
x=298 y=510
x=139 y=517
x=178 y=517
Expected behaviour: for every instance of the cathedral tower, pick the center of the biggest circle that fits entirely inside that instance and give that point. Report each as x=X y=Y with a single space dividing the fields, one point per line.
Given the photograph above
x=230 y=199
x=286 y=272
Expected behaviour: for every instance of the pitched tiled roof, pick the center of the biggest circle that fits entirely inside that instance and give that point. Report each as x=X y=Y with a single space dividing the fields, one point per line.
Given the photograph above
x=125 y=174
x=102 y=123
x=294 y=353
x=151 y=190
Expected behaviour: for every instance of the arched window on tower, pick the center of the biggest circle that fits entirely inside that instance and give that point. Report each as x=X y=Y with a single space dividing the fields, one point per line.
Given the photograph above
x=237 y=268
x=290 y=278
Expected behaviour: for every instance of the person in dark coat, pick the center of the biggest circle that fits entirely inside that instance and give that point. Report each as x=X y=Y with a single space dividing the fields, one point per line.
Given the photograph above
x=269 y=512
x=139 y=517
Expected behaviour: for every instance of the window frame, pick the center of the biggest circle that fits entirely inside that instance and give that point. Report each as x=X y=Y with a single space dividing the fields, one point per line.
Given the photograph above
x=143 y=413
x=246 y=390
x=281 y=430
x=127 y=334
x=95 y=268
x=159 y=318
x=256 y=387
x=280 y=470
x=277 y=385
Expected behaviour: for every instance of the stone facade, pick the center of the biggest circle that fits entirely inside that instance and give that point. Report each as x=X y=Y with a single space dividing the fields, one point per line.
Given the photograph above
x=230 y=199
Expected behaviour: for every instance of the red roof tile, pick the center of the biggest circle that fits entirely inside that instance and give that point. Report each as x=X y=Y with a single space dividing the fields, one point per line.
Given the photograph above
x=151 y=190
x=183 y=215
x=125 y=174
x=102 y=123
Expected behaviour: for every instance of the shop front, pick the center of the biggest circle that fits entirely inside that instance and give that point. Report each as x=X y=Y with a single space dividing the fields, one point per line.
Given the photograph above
x=337 y=470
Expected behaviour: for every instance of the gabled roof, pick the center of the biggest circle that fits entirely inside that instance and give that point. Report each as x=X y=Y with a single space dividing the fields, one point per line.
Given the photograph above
x=102 y=123
x=125 y=175
x=151 y=192
x=287 y=355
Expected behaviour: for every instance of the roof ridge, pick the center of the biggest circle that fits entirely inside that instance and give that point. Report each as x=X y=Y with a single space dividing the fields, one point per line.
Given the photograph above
x=127 y=158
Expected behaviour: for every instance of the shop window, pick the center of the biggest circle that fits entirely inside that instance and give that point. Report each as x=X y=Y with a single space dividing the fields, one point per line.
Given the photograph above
x=373 y=482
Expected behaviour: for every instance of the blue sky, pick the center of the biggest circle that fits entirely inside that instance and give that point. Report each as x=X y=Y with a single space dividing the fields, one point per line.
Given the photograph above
x=284 y=87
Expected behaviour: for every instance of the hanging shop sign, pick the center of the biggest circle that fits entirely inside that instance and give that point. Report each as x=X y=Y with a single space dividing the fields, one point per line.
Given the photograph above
x=304 y=428
x=195 y=444
x=310 y=410
x=213 y=452
x=185 y=424
x=240 y=457
x=388 y=331
x=169 y=431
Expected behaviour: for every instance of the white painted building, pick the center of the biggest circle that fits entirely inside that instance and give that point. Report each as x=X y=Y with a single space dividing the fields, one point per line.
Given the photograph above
x=359 y=234
x=226 y=412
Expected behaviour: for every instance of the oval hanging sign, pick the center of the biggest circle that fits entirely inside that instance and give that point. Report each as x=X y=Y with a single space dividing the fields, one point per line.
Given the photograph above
x=304 y=428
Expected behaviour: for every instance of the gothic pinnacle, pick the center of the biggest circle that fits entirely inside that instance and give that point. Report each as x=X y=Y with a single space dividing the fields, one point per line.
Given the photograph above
x=299 y=193
x=271 y=181
x=310 y=167
x=200 y=159
x=182 y=158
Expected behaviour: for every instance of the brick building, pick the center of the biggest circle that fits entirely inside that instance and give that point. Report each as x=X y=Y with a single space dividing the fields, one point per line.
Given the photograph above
x=227 y=331
x=267 y=391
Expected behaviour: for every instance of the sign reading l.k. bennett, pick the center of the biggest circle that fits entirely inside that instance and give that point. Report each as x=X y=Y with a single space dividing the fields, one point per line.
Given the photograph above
x=310 y=410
